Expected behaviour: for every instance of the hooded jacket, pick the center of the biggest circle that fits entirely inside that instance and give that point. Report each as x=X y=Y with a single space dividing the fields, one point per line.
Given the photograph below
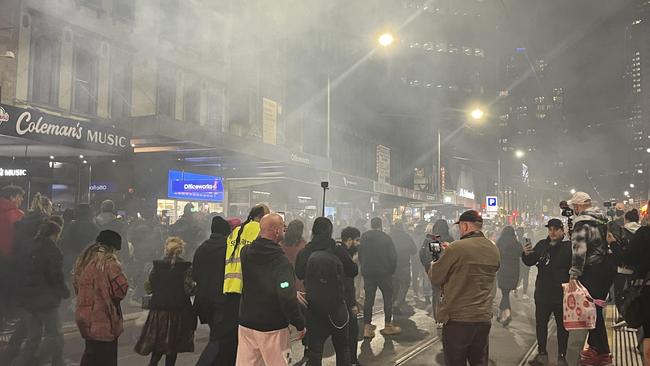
x=268 y=300
x=10 y=214
x=622 y=245
x=638 y=253
x=350 y=268
x=588 y=242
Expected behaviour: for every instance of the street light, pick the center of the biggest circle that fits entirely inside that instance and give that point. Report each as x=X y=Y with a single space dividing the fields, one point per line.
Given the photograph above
x=573 y=191
x=477 y=114
x=631 y=185
x=519 y=154
x=386 y=40
x=626 y=194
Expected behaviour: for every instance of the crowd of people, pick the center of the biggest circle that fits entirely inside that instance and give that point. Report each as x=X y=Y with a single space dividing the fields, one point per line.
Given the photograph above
x=250 y=281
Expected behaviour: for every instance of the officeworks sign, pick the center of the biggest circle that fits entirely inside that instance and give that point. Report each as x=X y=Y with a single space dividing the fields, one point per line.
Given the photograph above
x=193 y=186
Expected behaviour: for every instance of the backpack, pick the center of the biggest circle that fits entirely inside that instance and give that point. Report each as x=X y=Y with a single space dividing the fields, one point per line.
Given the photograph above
x=324 y=281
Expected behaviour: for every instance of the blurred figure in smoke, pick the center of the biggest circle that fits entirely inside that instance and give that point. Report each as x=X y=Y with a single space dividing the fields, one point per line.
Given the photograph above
x=405 y=248
x=11 y=198
x=77 y=235
x=188 y=227
x=171 y=322
x=292 y=244
x=100 y=286
x=508 y=275
x=41 y=291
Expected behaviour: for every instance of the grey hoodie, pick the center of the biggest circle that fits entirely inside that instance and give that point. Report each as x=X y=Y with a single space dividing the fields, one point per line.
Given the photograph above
x=588 y=244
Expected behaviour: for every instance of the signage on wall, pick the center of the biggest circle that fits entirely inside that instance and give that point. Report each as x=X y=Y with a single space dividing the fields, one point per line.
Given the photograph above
x=192 y=186
x=383 y=164
x=13 y=172
x=102 y=187
x=50 y=129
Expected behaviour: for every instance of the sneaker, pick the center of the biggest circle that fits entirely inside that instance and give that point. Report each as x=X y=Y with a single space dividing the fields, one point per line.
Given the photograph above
x=561 y=361
x=588 y=353
x=369 y=331
x=391 y=329
x=540 y=360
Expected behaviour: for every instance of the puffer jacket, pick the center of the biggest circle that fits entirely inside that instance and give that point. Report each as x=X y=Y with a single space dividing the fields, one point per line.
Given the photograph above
x=588 y=242
x=100 y=286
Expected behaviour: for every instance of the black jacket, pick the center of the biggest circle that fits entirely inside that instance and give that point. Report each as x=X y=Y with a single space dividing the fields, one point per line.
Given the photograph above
x=76 y=237
x=405 y=248
x=26 y=230
x=268 y=300
x=553 y=263
x=207 y=272
x=168 y=285
x=350 y=290
x=638 y=253
x=377 y=255
x=43 y=286
x=350 y=268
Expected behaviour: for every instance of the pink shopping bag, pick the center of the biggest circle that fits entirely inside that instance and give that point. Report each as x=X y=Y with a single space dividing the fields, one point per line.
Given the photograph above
x=579 y=308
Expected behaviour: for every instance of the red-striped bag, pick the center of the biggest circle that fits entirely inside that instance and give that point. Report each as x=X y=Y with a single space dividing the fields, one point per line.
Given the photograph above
x=579 y=308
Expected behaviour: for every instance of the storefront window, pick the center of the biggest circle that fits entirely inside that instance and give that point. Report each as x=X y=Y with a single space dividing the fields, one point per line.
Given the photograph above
x=121 y=80
x=85 y=76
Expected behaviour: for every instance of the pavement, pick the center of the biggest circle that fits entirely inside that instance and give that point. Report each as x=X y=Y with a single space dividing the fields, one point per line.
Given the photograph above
x=419 y=343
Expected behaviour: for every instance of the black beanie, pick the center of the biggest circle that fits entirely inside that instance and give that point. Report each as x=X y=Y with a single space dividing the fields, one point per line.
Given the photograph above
x=220 y=226
x=110 y=238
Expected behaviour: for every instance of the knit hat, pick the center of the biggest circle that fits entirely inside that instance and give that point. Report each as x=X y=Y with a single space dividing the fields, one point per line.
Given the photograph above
x=110 y=238
x=220 y=226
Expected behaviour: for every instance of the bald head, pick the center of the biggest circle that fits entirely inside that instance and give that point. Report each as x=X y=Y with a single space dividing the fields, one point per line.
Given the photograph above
x=272 y=227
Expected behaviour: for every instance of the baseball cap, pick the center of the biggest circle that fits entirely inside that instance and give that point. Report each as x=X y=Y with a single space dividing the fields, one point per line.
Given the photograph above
x=555 y=223
x=470 y=216
x=579 y=198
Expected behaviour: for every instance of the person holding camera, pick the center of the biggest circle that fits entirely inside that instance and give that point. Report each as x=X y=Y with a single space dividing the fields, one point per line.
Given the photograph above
x=466 y=273
x=592 y=265
x=552 y=256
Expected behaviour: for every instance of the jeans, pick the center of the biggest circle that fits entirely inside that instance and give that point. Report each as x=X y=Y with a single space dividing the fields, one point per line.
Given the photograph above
x=597 y=279
x=385 y=284
x=401 y=283
x=320 y=328
x=98 y=353
x=505 y=299
x=524 y=274
x=542 y=316
x=170 y=360
x=466 y=342
x=45 y=324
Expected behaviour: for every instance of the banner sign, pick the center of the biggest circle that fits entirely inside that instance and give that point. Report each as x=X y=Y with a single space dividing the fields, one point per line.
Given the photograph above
x=55 y=130
x=196 y=187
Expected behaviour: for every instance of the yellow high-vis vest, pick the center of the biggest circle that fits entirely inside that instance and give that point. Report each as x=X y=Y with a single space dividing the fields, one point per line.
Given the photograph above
x=232 y=280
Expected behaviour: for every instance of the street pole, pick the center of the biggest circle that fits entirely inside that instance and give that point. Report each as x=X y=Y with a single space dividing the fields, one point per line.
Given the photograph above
x=329 y=116
x=498 y=178
x=439 y=172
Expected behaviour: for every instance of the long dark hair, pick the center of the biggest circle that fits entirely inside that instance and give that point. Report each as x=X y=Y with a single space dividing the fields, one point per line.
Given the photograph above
x=508 y=238
x=322 y=227
x=294 y=233
x=256 y=212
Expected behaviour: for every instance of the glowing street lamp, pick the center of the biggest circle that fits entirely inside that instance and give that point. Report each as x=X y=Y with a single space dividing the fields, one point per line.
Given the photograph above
x=631 y=185
x=519 y=154
x=573 y=191
x=477 y=114
x=626 y=194
x=386 y=40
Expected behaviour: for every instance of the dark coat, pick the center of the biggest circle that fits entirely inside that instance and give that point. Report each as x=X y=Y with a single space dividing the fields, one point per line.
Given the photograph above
x=553 y=263
x=168 y=285
x=43 y=285
x=76 y=237
x=26 y=230
x=638 y=253
x=510 y=250
x=268 y=301
x=350 y=268
x=208 y=273
x=377 y=254
x=405 y=248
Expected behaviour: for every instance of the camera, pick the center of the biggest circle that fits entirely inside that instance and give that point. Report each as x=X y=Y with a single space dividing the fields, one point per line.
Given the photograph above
x=611 y=210
x=567 y=211
x=325 y=185
x=435 y=248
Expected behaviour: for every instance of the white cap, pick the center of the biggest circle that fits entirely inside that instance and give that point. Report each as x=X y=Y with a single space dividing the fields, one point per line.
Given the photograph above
x=580 y=198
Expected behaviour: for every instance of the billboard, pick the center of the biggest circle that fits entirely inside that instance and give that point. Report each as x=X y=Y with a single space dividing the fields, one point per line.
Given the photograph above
x=194 y=187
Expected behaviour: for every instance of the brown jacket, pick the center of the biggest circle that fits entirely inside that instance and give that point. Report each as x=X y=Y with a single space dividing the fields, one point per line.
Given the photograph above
x=466 y=272
x=100 y=286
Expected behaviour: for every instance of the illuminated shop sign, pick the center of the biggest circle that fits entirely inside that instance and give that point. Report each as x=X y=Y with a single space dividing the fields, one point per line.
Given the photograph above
x=192 y=186
x=13 y=172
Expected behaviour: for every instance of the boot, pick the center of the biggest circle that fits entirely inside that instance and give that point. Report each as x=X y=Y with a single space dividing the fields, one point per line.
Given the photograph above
x=391 y=329
x=540 y=360
x=368 y=331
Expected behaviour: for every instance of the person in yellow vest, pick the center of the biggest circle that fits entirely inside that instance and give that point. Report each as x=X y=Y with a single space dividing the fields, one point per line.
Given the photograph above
x=241 y=236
